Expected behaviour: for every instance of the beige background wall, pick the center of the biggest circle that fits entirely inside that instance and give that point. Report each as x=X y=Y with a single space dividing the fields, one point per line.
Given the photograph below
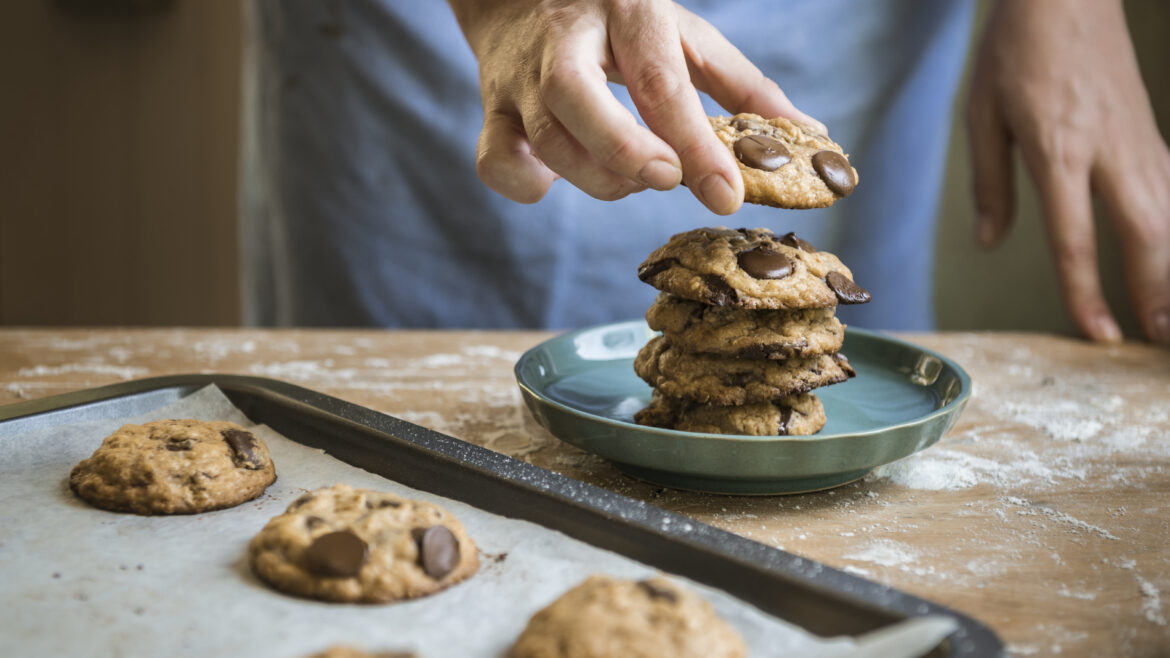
x=118 y=177
x=117 y=172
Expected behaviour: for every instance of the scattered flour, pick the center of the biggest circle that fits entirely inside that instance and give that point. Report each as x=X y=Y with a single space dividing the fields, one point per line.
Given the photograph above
x=886 y=553
x=1151 y=602
x=949 y=470
x=122 y=372
x=1063 y=420
x=1056 y=515
x=1151 y=596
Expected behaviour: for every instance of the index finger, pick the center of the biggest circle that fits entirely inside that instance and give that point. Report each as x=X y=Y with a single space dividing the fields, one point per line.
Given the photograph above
x=647 y=50
x=574 y=89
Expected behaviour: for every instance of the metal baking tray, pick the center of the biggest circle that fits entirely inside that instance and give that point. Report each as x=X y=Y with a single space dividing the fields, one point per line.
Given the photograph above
x=823 y=600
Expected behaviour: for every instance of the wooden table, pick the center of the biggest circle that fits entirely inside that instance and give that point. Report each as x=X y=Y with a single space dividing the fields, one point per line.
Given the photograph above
x=1045 y=513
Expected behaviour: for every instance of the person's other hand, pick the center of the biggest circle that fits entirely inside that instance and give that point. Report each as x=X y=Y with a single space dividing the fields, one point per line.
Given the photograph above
x=1059 y=79
x=548 y=113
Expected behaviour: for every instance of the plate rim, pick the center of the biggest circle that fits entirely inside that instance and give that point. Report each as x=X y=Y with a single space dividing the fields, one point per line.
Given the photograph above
x=954 y=405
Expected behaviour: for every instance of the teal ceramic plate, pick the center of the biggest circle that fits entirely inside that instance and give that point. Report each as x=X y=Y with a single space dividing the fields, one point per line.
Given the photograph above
x=582 y=387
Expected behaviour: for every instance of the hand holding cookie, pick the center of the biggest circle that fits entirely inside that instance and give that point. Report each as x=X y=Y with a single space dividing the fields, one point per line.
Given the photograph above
x=548 y=112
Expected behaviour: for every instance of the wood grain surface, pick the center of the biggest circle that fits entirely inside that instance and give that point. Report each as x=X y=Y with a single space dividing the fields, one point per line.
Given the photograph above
x=1045 y=513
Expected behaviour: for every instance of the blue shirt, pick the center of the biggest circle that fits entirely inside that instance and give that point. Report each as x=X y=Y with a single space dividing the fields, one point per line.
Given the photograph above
x=364 y=208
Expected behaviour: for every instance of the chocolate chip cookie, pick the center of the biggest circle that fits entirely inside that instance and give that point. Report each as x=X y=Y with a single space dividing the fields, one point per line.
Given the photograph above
x=750 y=268
x=795 y=415
x=745 y=334
x=712 y=379
x=786 y=163
x=362 y=546
x=608 y=618
x=174 y=467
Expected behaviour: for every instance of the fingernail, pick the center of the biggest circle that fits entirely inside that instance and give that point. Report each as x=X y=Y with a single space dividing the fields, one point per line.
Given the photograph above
x=717 y=194
x=1160 y=327
x=660 y=175
x=985 y=232
x=1106 y=330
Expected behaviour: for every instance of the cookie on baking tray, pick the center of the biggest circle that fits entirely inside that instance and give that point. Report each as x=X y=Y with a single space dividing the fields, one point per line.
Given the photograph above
x=607 y=618
x=362 y=546
x=174 y=467
x=795 y=415
x=786 y=163
x=712 y=379
x=750 y=268
x=745 y=334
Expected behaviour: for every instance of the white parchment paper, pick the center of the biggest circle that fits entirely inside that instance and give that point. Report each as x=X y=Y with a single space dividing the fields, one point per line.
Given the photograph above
x=78 y=581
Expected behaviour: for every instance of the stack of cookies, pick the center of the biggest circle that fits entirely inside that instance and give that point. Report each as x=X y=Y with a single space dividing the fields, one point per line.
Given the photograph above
x=748 y=330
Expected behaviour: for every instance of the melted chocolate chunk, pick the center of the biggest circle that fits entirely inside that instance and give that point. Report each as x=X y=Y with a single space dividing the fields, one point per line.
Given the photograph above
x=745 y=123
x=785 y=419
x=650 y=270
x=738 y=379
x=338 y=554
x=789 y=239
x=846 y=290
x=762 y=152
x=381 y=504
x=764 y=263
x=843 y=361
x=243 y=446
x=438 y=550
x=656 y=591
x=719 y=292
x=303 y=500
x=178 y=444
x=834 y=169
x=767 y=350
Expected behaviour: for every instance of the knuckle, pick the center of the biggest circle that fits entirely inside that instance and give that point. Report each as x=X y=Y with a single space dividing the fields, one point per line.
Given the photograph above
x=1076 y=251
x=656 y=86
x=545 y=137
x=557 y=78
x=623 y=151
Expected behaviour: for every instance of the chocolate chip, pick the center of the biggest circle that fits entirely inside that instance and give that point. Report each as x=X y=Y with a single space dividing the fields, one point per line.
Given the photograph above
x=657 y=591
x=178 y=444
x=438 y=550
x=834 y=169
x=785 y=419
x=846 y=290
x=762 y=152
x=789 y=239
x=719 y=292
x=243 y=445
x=313 y=522
x=302 y=501
x=745 y=123
x=843 y=361
x=764 y=263
x=338 y=554
x=769 y=350
x=381 y=504
x=738 y=379
x=650 y=270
